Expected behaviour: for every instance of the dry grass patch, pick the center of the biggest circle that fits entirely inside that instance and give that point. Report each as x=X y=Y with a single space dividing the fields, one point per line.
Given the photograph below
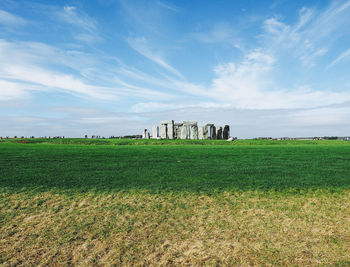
x=249 y=228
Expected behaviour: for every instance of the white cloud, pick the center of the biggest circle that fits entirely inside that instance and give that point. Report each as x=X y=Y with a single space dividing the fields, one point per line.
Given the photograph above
x=11 y=90
x=248 y=85
x=168 y=6
x=34 y=66
x=308 y=59
x=341 y=58
x=85 y=27
x=242 y=84
x=334 y=20
x=276 y=28
x=71 y=15
x=141 y=46
x=312 y=36
x=9 y=19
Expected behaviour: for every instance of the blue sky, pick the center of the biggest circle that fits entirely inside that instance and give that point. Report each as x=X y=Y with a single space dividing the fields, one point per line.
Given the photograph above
x=266 y=68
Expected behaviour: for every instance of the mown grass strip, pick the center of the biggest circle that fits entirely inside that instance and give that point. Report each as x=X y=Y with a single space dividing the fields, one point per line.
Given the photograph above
x=188 y=168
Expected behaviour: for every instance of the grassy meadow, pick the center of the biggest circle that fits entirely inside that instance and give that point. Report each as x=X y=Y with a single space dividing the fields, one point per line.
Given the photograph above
x=174 y=202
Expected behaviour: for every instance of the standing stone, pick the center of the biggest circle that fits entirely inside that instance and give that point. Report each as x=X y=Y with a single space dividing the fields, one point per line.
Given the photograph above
x=212 y=132
x=184 y=132
x=219 y=133
x=155 y=131
x=163 y=131
x=207 y=131
x=200 y=132
x=177 y=130
x=145 y=134
x=226 y=132
x=191 y=126
x=188 y=133
x=194 y=131
x=170 y=130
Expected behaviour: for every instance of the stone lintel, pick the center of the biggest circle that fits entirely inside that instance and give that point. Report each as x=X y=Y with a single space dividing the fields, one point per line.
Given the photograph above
x=167 y=122
x=190 y=122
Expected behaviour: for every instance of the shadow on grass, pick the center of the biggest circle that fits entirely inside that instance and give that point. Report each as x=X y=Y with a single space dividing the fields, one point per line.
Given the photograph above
x=206 y=169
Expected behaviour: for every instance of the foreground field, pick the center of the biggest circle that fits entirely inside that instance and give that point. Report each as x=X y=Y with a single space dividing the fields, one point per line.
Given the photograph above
x=240 y=204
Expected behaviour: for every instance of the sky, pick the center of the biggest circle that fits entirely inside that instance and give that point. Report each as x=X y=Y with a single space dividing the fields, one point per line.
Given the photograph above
x=107 y=67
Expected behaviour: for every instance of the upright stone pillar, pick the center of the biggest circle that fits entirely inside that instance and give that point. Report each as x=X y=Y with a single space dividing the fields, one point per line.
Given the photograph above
x=177 y=130
x=194 y=131
x=212 y=132
x=219 y=133
x=226 y=132
x=163 y=131
x=145 y=134
x=155 y=131
x=207 y=133
x=200 y=132
x=170 y=130
x=184 y=131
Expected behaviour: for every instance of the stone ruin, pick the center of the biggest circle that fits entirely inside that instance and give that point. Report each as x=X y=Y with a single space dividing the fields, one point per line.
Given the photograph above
x=145 y=134
x=187 y=130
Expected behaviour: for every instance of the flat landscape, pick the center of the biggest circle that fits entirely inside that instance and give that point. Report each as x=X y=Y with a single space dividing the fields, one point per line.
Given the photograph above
x=174 y=202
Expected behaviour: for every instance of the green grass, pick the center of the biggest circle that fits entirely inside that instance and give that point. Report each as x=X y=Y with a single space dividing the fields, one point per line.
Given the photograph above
x=193 y=168
x=174 y=202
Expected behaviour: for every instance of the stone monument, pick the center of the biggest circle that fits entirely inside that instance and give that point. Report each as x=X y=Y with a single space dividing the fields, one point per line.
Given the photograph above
x=187 y=130
x=167 y=129
x=155 y=132
x=219 y=133
x=226 y=132
x=145 y=134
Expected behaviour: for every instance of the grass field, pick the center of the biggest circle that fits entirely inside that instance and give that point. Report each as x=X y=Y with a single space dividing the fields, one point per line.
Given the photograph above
x=182 y=202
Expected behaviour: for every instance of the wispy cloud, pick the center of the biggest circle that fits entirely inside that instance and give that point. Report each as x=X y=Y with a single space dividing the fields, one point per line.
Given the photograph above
x=141 y=46
x=85 y=25
x=168 y=6
x=25 y=68
x=312 y=36
x=70 y=15
x=341 y=58
x=12 y=90
x=9 y=19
